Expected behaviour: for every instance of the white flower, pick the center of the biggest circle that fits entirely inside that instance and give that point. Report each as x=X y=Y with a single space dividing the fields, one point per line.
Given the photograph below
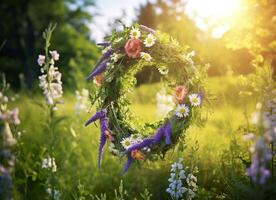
x=49 y=163
x=195 y=99
x=111 y=148
x=182 y=111
x=150 y=40
x=82 y=101
x=55 y=55
x=41 y=60
x=164 y=103
x=126 y=142
x=115 y=57
x=147 y=57
x=51 y=85
x=135 y=33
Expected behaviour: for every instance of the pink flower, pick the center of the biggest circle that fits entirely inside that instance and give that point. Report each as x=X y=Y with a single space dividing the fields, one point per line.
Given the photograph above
x=180 y=93
x=41 y=60
x=55 y=55
x=133 y=48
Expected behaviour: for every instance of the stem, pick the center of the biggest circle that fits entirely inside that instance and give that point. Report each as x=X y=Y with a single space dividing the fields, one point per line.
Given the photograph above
x=272 y=161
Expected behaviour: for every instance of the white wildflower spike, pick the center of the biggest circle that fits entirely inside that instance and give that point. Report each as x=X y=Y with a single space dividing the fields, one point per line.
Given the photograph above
x=55 y=55
x=150 y=40
x=181 y=183
x=41 y=60
x=49 y=163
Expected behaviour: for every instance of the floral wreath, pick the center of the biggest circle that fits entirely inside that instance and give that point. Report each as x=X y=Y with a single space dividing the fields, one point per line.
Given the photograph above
x=125 y=53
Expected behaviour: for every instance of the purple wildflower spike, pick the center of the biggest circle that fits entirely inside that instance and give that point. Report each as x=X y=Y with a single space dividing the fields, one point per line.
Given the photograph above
x=145 y=143
x=167 y=133
x=104 y=44
x=101 y=64
x=98 y=115
x=101 y=146
x=101 y=68
x=127 y=165
x=147 y=29
x=104 y=127
x=158 y=135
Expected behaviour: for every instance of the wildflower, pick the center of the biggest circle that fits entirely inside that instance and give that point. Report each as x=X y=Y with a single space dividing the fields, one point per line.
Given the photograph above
x=51 y=85
x=101 y=64
x=41 y=60
x=260 y=157
x=181 y=182
x=137 y=155
x=147 y=57
x=133 y=48
x=100 y=115
x=56 y=193
x=147 y=29
x=180 y=94
x=164 y=103
x=182 y=111
x=164 y=131
x=49 y=163
x=194 y=99
x=115 y=57
x=112 y=149
x=126 y=142
x=82 y=103
x=150 y=40
x=135 y=33
x=55 y=55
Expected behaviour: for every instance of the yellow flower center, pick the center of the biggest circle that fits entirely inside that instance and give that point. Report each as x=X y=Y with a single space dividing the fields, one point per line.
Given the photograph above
x=195 y=100
x=182 y=110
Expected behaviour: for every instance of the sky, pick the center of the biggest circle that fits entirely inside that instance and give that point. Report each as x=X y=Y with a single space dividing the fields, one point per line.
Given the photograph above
x=109 y=9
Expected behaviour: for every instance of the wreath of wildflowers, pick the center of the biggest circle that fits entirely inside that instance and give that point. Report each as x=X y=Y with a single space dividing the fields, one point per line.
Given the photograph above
x=126 y=53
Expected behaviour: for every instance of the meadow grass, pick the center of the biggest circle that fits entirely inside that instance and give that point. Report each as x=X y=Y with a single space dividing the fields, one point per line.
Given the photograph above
x=214 y=148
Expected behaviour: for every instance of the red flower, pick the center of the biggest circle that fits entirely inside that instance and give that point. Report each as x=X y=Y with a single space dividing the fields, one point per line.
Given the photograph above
x=180 y=93
x=133 y=48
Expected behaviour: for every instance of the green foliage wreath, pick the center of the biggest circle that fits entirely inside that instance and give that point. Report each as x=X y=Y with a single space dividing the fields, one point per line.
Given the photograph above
x=125 y=53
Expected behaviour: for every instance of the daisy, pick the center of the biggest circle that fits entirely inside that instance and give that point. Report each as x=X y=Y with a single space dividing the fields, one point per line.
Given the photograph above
x=194 y=99
x=146 y=56
x=126 y=142
x=182 y=110
x=135 y=33
x=150 y=40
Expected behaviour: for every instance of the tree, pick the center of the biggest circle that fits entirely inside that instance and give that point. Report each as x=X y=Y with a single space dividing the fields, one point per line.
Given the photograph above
x=23 y=21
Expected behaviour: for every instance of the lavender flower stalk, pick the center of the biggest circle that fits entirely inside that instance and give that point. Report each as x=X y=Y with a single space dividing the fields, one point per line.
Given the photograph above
x=100 y=115
x=145 y=143
x=167 y=133
x=127 y=165
x=147 y=29
x=104 y=44
x=100 y=65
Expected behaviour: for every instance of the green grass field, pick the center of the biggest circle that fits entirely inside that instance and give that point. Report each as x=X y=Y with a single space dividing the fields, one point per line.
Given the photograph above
x=214 y=148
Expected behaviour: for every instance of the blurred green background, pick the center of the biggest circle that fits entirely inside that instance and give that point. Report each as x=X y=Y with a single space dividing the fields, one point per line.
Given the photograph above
x=216 y=149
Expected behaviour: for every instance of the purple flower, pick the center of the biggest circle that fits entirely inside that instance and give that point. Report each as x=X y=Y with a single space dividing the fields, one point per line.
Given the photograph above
x=147 y=29
x=167 y=133
x=98 y=70
x=145 y=143
x=101 y=64
x=164 y=131
x=128 y=163
x=100 y=114
x=104 y=44
x=158 y=135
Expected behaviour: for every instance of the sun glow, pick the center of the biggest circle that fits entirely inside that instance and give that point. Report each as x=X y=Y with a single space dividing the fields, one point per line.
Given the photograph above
x=214 y=15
